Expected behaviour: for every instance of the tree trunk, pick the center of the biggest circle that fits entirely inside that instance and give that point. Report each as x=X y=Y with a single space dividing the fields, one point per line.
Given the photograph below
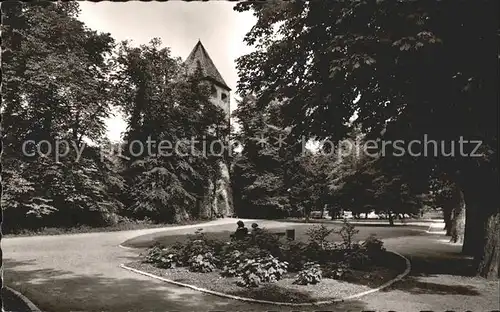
x=482 y=234
x=472 y=231
x=490 y=258
x=391 y=220
x=457 y=230
x=447 y=220
x=1 y=263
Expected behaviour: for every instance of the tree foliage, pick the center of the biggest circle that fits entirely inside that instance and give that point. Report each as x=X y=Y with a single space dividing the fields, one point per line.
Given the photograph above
x=54 y=87
x=164 y=104
x=259 y=171
x=403 y=67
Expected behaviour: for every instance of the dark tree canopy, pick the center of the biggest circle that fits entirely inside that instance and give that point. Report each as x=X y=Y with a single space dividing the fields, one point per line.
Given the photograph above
x=54 y=86
x=406 y=68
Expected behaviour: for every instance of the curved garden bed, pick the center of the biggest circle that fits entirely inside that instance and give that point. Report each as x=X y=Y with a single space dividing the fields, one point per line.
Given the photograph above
x=266 y=268
x=283 y=290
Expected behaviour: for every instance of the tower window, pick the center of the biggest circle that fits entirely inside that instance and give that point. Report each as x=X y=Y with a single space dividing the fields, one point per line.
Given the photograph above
x=223 y=96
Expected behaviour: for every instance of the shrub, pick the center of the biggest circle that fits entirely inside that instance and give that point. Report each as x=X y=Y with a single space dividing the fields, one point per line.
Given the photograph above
x=169 y=261
x=311 y=274
x=233 y=259
x=231 y=246
x=162 y=258
x=347 y=232
x=202 y=263
x=356 y=257
x=266 y=240
x=373 y=246
x=318 y=234
x=255 y=252
x=231 y=263
x=261 y=270
x=314 y=252
x=154 y=254
x=296 y=254
x=338 y=271
x=196 y=244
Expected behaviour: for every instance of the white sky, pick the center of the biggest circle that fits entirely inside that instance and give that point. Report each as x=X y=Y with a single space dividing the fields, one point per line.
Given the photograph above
x=179 y=25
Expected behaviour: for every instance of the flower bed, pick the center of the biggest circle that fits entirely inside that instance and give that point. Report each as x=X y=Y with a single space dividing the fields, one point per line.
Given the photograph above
x=283 y=290
x=264 y=267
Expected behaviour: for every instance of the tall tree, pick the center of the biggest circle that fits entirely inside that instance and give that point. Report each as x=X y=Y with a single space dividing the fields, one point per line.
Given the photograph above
x=411 y=63
x=259 y=171
x=54 y=87
x=166 y=110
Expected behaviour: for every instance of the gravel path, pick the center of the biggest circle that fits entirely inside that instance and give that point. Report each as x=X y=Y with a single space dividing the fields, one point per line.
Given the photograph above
x=81 y=272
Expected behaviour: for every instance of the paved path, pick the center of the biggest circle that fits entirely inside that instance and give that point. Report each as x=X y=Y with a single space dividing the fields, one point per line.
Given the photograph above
x=80 y=272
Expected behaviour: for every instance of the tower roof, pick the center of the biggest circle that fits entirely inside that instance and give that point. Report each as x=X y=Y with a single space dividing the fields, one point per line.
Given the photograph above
x=199 y=54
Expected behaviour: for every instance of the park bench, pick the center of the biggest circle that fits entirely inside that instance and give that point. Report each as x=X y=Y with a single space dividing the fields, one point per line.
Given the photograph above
x=290 y=234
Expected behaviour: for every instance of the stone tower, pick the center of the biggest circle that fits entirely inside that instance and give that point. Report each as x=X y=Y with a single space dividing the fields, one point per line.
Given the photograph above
x=220 y=202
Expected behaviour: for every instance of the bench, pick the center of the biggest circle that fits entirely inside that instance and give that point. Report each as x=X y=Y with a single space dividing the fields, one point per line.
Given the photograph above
x=290 y=234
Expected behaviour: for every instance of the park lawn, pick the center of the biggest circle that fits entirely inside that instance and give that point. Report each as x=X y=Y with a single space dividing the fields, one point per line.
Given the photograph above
x=222 y=233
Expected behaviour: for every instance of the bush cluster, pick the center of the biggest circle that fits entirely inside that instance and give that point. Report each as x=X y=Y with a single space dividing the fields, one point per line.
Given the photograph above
x=374 y=247
x=263 y=258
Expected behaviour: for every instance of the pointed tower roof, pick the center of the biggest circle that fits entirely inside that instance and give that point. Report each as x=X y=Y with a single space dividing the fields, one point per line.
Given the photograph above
x=199 y=54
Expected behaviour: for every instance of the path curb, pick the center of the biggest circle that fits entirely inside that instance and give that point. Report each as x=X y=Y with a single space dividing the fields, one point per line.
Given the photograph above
x=27 y=302
x=431 y=227
x=129 y=248
x=219 y=294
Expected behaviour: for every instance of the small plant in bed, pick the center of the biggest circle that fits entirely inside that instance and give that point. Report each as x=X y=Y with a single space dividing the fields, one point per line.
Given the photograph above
x=253 y=272
x=234 y=260
x=162 y=257
x=338 y=271
x=311 y=274
x=374 y=248
x=202 y=263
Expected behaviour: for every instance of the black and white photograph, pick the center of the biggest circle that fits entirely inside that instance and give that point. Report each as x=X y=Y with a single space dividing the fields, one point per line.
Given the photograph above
x=321 y=155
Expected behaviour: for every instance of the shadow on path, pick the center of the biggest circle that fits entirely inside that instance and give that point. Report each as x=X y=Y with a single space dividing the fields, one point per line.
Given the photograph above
x=439 y=272
x=61 y=291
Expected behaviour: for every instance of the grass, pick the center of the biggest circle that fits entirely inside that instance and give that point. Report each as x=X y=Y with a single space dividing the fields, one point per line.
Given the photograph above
x=222 y=232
